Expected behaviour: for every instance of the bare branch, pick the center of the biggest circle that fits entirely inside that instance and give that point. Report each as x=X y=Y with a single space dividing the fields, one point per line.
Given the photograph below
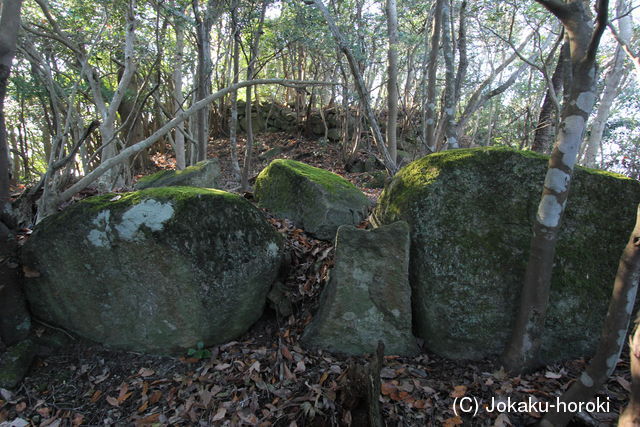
x=601 y=24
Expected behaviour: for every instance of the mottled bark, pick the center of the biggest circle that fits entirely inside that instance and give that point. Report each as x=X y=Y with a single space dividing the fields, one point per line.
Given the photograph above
x=545 y=128
x=432 y=74
x=392 y=82
x=522 y=350
x=9 y=25
x=611 y=88
x=614 y=332
x=449 y=101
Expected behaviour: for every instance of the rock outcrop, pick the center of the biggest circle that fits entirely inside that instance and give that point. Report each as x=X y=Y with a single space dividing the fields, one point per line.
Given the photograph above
x=368 y=298
x=203 y=174
x=471 y=214
x=156 y=270
x=317 y=200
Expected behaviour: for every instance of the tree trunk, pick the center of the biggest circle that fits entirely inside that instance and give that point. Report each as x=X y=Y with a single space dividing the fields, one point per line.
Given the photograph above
x=614 y=332
x=631 y=415
x=546 y=121
x=432 y=74
x=392 y=83
x=450 y=102
x=233 y=120
x=611 y=88
x=522 y=349
x=178 y=98
x=253 y=57
x=9 y=26
x=204 y=22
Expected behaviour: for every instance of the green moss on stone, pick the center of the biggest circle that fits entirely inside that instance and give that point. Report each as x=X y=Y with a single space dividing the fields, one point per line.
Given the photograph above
x=471 y=213
x=318 y=200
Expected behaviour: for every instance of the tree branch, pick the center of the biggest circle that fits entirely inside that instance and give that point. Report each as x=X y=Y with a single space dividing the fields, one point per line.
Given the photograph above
x=601 y=24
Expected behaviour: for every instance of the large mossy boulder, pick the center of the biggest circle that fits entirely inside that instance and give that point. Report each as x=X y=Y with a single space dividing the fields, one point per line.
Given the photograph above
x=317 y=200
x=368 y=297
x=203 y=174
x=471 y=214
x=157 y=270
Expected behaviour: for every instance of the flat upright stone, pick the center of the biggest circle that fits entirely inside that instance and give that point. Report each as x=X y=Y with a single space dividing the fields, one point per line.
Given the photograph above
x=203 y=174
x=315 y=199
x=368 y=297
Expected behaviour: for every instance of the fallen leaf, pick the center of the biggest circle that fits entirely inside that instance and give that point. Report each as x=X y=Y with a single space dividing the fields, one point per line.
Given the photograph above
x=552 y=375
x=220 y=414
x=112 y=401
x=222 y=366
x=155 y=397
x=454 y=421
x=96 y=395
x=146 y=372
x=459 y=391
x=78 y=420
x=502 y=421
x=387 y=388
x=624 y=383
x=420 y=404
x=21 y=406
x=150 y=419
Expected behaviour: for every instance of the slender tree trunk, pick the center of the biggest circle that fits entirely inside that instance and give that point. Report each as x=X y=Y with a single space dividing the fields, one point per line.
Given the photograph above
x=255 y=50
x=631 y=415
x=9 y=26
x=233 y=120
x=432 y=74
x=611 y=88
x=522 y=349
x=613 y=335
x=450 y=102
x=392 y=83
x=178 y=98
x=543 y=136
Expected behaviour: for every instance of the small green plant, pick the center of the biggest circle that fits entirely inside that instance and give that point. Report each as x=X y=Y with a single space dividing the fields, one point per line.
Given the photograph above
x=199 y=352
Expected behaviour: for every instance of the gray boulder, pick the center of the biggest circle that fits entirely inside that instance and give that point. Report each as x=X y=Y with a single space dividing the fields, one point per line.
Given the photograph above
x=368 y=297
x=471 y=214
x=15 y=363
x=317 y=200
x=157 y=270
x=203 y=174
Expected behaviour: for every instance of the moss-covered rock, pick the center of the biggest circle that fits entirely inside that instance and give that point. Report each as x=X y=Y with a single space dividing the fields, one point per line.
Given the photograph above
x=203 y=174
x=471 y=214
x=15 y=363
x=368 y=298
x=317 y=200
x=156 y=270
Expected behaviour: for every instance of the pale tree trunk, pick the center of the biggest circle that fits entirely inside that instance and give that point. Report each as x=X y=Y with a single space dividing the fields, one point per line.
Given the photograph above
x=631 y=415
x=392 y=83
x=233 y=120
x=253 y=57
x=204 y=22
x=614 y=332
x=449 y=104
x=9 y=26
x=611 y=89
x=432 y=75
x=547 y=118
x=361 y=89
x=634 y=56
x=523 y=347
x=463 y=59
x=178 y=98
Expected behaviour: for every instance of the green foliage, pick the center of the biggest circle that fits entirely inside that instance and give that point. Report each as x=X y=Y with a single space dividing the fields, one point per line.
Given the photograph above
x=199 y=352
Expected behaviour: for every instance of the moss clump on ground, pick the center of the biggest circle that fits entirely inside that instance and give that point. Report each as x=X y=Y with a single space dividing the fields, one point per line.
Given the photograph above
x=317 y=200
x=471 y=213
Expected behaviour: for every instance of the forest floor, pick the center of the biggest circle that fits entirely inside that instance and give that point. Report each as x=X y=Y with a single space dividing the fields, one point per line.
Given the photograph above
x=266 y=378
